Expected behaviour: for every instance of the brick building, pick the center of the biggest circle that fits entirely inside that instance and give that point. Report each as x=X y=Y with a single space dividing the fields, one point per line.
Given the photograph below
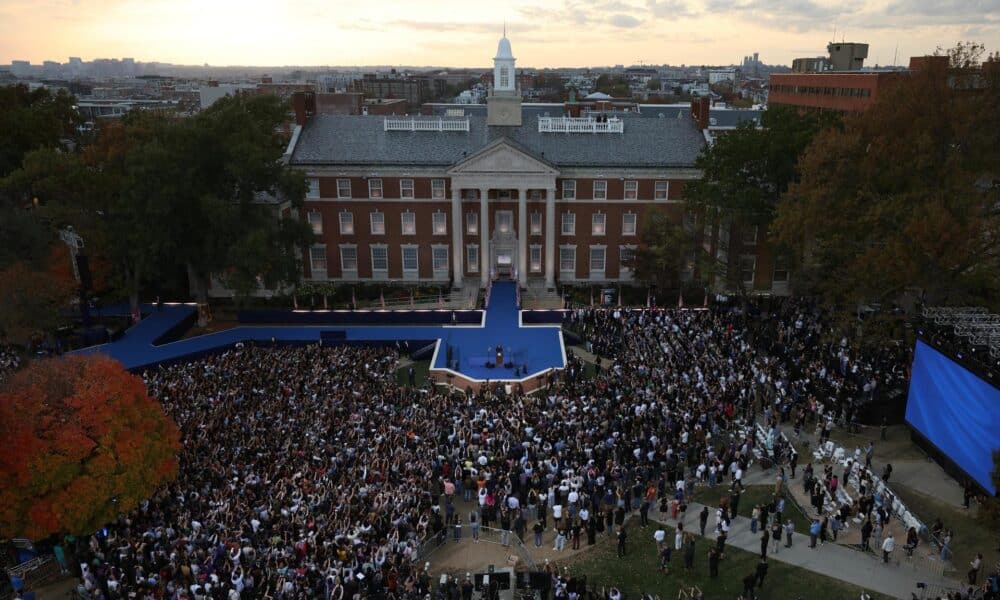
x=542 y=199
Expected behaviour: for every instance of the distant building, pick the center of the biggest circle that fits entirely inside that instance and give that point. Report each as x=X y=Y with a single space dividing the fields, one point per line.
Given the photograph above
x=847 y=56
x=811 y=65
x=415 y=90
x=721 y=75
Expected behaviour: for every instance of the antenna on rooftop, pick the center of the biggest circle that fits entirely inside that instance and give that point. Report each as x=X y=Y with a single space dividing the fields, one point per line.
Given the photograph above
x=895 y=54
x=505 y=27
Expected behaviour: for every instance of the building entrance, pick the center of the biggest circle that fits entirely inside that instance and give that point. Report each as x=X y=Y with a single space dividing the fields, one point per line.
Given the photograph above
x=503 y=250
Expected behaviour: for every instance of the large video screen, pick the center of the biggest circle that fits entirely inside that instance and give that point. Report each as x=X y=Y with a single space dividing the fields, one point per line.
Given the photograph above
x=956 y=410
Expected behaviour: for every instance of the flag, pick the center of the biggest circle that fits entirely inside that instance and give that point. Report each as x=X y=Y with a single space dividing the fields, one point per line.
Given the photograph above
x=680 y=299
x=705 y=303
x=647 y=299
x=295 y=301
x=440 y=299
x=592 y=297
x=411 y=298
x=381 y=298
x=354 y=301
x=619 y=296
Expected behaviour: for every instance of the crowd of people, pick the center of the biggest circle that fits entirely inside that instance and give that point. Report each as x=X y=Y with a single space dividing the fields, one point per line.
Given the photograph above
x=10 y=360
x=308 y=472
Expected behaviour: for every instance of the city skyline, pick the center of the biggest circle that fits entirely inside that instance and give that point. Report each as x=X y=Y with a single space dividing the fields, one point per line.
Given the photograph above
x=447 y=33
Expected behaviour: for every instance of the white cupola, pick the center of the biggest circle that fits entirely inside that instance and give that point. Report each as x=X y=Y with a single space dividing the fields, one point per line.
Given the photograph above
x=503 y=105
x=503 y=68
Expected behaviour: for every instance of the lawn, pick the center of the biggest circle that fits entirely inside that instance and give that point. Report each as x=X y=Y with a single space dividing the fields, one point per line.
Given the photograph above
x=422 y=367
x=639 y=573
x=970 y=535
x=752 y=495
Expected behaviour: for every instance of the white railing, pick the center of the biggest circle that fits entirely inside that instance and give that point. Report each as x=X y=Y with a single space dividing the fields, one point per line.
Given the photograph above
x=577 y=125
x=426 y=124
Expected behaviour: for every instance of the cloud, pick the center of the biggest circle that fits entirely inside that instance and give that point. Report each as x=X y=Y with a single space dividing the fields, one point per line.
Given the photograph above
x=943 y=12
x=795 y=15
x=669 y=8
x=455 y=26
x=625 y=21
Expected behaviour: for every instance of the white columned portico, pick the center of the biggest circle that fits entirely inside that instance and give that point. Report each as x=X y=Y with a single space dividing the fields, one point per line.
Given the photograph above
x=522 y=236
x=484 y=235
x=550 y=237
x=456 y=236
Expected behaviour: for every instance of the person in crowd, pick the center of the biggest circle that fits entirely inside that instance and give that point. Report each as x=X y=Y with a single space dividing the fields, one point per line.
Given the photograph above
x=888 y=545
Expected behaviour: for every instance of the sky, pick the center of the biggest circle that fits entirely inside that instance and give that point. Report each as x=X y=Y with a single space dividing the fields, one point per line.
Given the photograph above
x=543 y=33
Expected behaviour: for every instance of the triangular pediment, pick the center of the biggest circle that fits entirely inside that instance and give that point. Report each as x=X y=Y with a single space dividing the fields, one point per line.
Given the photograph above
x=501 y=157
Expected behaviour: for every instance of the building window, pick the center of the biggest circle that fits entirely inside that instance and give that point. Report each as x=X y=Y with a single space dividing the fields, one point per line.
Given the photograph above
x=631 y=189
x=750 y=235
x=569 y=224
x=406 y=189
x=471 y=194
x=378 y=223
x=600 y=189
x=748 y=265
x=346 y=223
x=374 y=188
x=535 y=258
x=505 y=221
x=440 y=223
x=597 y=223
x=597 y=256
x=316 y=220
x=380 y=260
x=569 y=189
x=536 y=223
x=780 y=269
x=567 y=260
x=660 y=191
x=472 y=258
x=313 y=188
x=343 y=188
x=628 y=224
x=349 y=258
x=409 y=223
x=437 y=189
x=504 y=78
x=534 y=195
x=410 y=262
x=439 y=257
x=317 y=259
x=471 y=223
x=627 y=257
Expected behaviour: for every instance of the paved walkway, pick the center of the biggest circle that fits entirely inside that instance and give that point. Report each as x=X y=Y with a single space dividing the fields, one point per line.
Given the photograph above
x=832 y=560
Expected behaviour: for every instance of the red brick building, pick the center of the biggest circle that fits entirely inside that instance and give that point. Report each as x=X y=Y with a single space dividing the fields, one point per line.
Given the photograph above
x=532 y=195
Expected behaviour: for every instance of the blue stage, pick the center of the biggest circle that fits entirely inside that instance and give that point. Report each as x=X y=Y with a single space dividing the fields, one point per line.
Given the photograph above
x=538 y=347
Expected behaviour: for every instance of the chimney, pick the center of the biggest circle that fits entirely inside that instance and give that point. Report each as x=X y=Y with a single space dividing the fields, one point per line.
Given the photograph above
x=700 y=107
x=304 y=105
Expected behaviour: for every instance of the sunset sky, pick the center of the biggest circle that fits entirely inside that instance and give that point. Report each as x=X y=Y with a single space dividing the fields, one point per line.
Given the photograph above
x=445 y=32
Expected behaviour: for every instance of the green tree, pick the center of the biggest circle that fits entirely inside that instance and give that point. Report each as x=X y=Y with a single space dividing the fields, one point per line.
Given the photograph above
x=902 y=199
x=667 y=252
x=32 y=119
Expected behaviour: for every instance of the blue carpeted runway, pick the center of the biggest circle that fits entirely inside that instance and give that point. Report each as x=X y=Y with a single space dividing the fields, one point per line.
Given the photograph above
x=539 y=347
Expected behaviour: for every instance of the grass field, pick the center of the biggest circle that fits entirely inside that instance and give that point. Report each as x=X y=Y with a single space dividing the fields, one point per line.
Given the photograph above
x=752 y=495
x=639 y=573
x=970 y=536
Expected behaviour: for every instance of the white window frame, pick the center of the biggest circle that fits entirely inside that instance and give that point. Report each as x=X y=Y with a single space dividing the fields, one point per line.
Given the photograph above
x=598 y=224
x=341 y=192
x=753 y=269
x=472 y=223
x=375 y=188
x=314 y=268
x=379 y=273
x=441 y=271
x=346 y=224
x=472 y=257
x=661 y=190
x=313 y=191
x=598 y=273
x=439 y=223
x=406 y=189
x=536 y=223
x=504 y=216
x=535 y=258
x=568 y=226
x=569 y=189
x=414 y=272
x=600 y=189
x=381 y=222
x=412 y=218
x=315 y=219
x=631 y=189
x=344 y=268
x=634 y=218
x=562 y=270
x=438 y=189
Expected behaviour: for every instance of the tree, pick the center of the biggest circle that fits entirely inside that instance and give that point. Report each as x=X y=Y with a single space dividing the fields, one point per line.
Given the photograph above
x=963 y=55
x=81 y=441
x=989 y=507
x=32 y=294
x=667 y=252
x=902 y=199
x=32 y=119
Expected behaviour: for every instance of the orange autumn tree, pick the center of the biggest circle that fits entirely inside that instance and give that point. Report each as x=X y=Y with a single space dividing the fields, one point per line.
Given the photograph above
x=80 y=442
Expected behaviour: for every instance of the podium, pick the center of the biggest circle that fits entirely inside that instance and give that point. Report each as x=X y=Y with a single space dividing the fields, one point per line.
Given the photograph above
x=499 y=360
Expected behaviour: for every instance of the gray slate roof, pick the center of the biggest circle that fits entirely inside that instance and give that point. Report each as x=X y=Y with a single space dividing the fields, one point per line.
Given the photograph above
x=361 y=140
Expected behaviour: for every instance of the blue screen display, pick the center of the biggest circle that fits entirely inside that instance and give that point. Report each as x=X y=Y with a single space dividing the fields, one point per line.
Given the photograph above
x=956 y=410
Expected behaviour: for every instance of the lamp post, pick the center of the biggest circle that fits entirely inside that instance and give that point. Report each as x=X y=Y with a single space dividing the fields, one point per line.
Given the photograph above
x=81 y=269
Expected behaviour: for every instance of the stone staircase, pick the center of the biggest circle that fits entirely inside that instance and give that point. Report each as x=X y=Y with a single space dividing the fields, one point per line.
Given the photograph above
x=538 y=298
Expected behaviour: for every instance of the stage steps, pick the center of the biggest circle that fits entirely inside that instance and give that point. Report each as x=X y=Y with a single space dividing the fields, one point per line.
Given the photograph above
x=539 y=298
